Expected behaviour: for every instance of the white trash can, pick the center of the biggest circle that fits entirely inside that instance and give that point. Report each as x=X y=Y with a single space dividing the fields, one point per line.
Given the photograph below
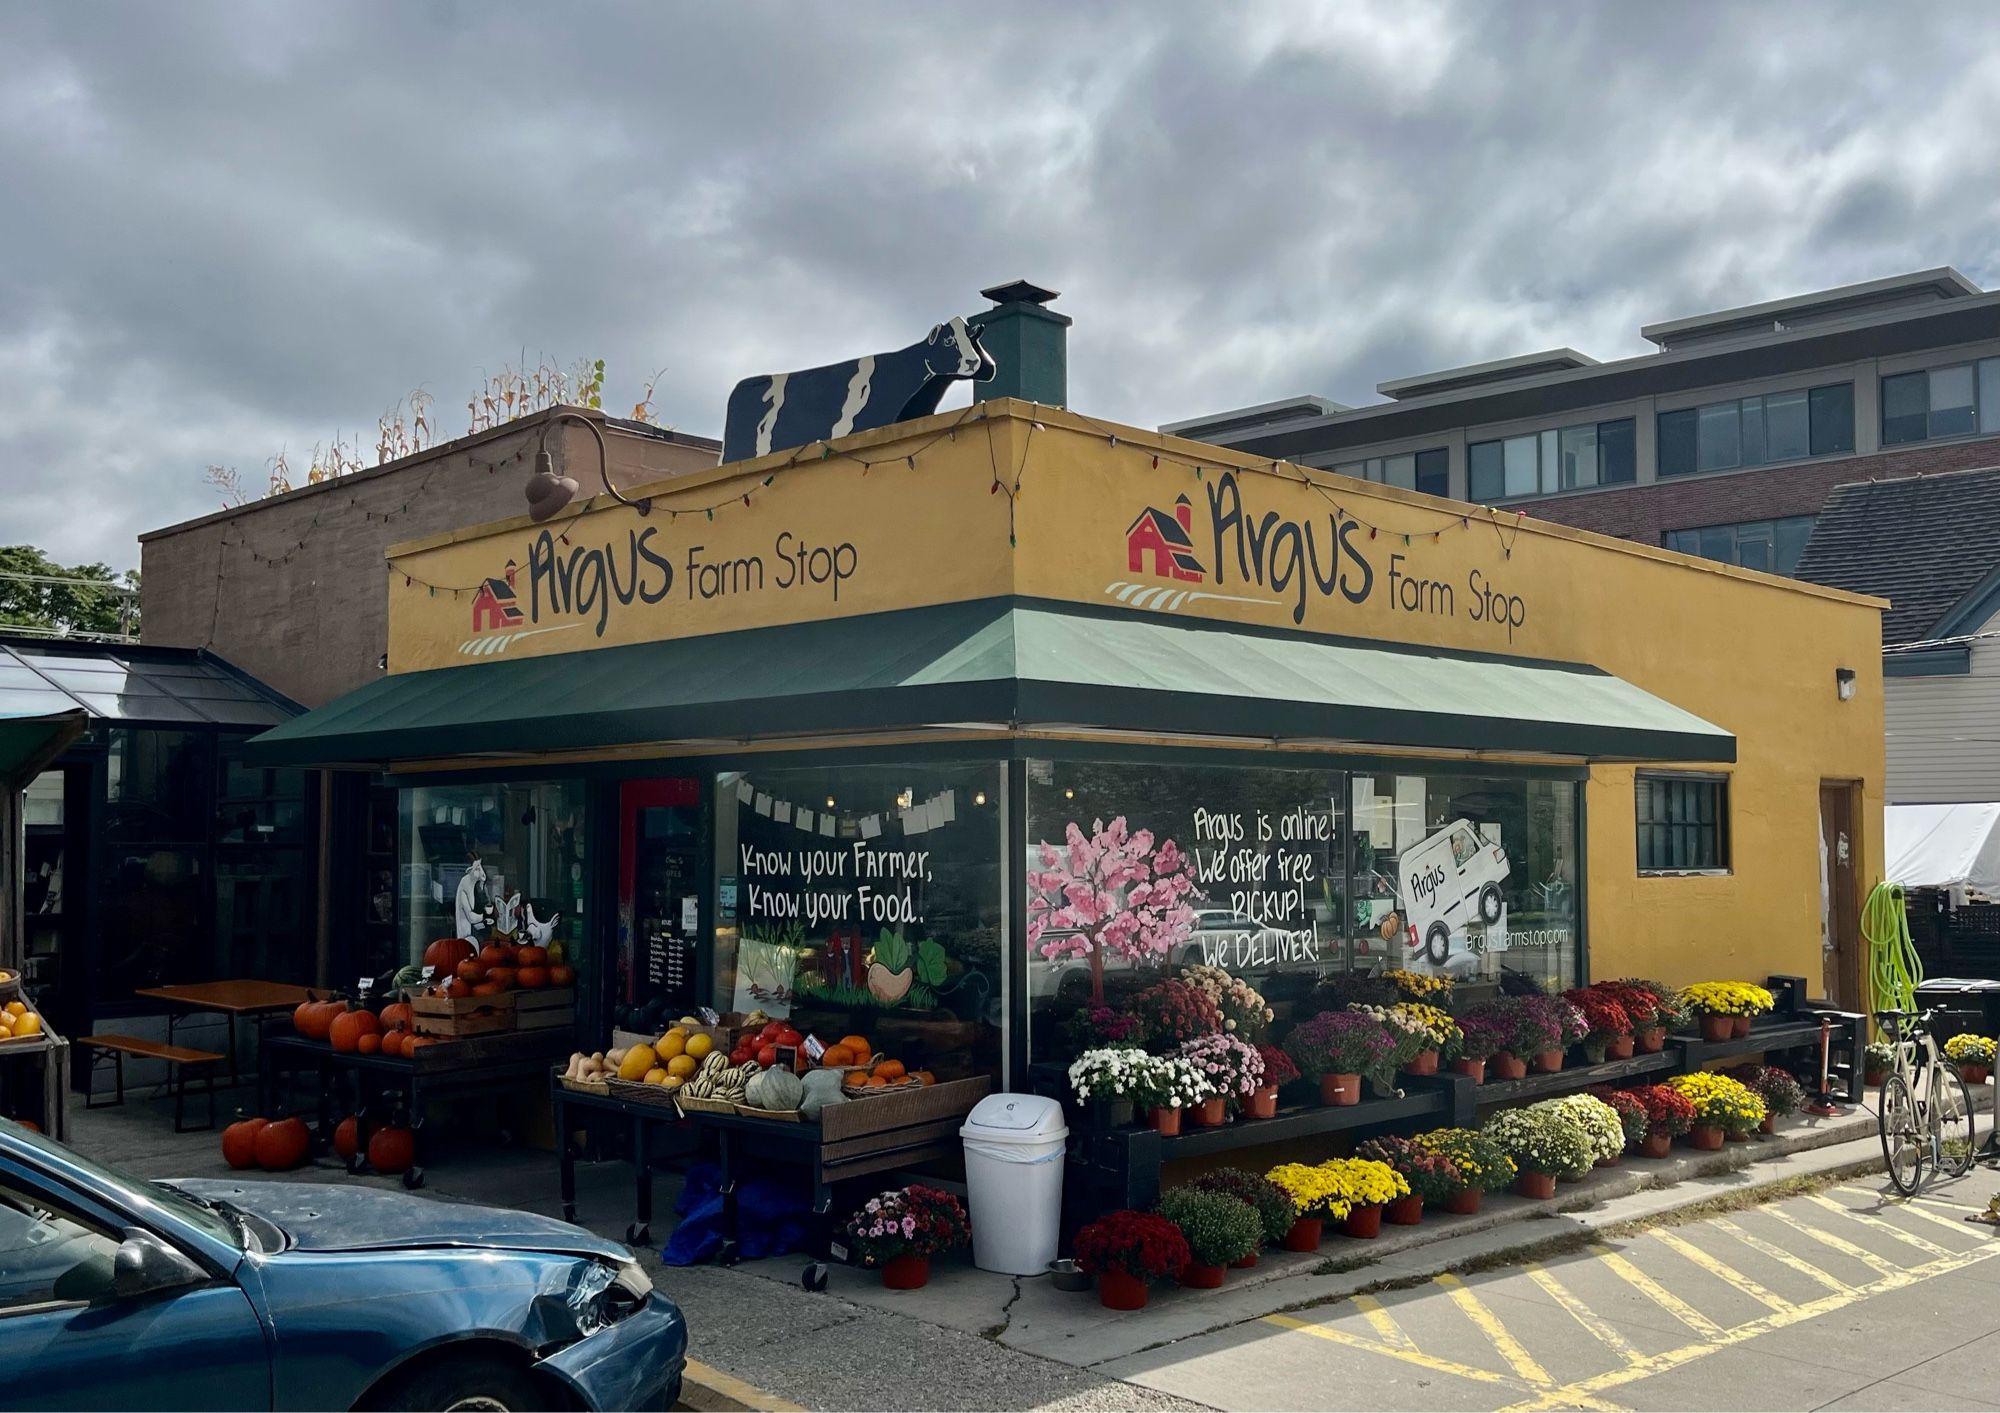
x=1014 y=1177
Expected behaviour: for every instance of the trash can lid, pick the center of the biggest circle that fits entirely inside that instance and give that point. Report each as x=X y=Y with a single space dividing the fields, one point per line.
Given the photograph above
x=1015 y=1118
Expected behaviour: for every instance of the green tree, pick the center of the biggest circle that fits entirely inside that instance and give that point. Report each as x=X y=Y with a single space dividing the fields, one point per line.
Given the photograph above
x=38 y=592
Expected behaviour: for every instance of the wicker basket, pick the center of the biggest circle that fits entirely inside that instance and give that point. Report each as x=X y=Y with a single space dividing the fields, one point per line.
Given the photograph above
x=706 y=1106
x=600 y=1087
x=658 y=1095
x=789 y=1116
x=877 y=1091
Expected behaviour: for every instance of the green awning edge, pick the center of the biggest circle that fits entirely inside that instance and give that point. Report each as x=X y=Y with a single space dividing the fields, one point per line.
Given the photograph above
x=28 y=744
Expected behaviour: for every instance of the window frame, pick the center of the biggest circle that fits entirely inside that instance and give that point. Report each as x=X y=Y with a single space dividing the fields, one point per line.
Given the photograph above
x=1985 y=422
x=1719 y=780
x=1765 y=532
x=1548 y=444
x=1431 y=463
x=1741 y=409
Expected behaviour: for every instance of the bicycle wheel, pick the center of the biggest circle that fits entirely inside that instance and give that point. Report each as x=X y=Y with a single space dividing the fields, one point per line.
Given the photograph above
x=1905 y=1146
x=1951 y=1112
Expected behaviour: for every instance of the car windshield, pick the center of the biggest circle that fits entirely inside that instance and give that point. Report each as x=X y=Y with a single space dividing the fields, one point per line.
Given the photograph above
x=217 y=1220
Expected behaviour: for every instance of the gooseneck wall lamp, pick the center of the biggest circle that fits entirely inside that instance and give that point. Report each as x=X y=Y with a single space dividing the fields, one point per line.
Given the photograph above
x=549 y=493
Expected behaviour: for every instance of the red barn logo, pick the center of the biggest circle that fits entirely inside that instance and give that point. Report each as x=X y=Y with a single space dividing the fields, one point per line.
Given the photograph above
x=1167 y=541
x=493 y=607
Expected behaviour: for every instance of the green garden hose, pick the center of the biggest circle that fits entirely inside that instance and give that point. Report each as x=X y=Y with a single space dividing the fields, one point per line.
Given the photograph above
x=1894 y=970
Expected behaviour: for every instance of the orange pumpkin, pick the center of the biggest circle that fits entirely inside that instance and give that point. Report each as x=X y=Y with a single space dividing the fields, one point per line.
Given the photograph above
x=503 y=976
x=393 y=1016
x=392 y=1043
x=320 y=1017
x=531 y=956
x=346 y=1029
x=837 y=1057
x=283 y=1145
x=239 y=1142
x=891 y=1070
x=446 y=953
x=471 y=970
x=299 y=1014
x=855 y=1077
x=488 y=988
x=531 y=978
x=369 y=1044
x=858 y=1046
x=561 y=976
x=496 y=954
x=875 y=1081
x=925 y=1077
x=418 y=1042
x=392 y=1149
x=347 y=1137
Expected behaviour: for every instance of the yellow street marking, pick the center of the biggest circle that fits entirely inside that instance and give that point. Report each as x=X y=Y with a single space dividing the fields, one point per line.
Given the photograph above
x=1657 y=1293
x=1779 y=1254
x=1408 y=1356
x=1846 y=1248
x=1929 y=1248
x=1956 y=1225
x=1511 y=1349
x=1580 y=1312
x=1383 y=1323
x=1723 y=1271
x=1931 y=1201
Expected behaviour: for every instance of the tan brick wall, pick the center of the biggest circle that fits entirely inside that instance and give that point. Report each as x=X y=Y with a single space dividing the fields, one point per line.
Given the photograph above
x=292 y=589
x=1645 y=513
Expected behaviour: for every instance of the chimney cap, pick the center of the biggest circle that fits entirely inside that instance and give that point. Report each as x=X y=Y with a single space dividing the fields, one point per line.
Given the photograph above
x=1018 y=292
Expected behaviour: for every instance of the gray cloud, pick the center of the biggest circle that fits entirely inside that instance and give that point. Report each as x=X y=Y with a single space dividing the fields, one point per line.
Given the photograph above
x=226 y=228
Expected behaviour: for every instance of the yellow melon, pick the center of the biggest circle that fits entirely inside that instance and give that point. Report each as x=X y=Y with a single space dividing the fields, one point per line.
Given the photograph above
x=637 y=1061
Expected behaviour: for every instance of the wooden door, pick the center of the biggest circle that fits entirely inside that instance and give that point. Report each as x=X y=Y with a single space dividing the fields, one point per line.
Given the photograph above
x=1840 y=855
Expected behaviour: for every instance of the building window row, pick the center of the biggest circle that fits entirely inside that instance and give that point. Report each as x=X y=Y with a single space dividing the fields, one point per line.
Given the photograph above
x=1954 y=401
x=1773 y=546
x=1756 y=431
x=1427 y=471
x=1545 y=463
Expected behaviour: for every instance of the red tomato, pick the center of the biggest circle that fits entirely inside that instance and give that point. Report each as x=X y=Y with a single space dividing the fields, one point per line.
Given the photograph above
x=769 y=1033
x=768 y=1056
x=788 y=1036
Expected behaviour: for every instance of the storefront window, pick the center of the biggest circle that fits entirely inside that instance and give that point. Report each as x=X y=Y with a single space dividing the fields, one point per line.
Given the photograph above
x=865 y=900
x=480 y=854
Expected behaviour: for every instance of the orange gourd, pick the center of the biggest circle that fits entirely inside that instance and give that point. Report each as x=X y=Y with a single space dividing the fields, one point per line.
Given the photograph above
x=299 y=1014
x=496 y=954
x=346 y=1029
x=855 y=1077
x=891 y=1070
x=283 y=1145
x=837 y=1057
x=471 y=970
x=531 y=956
x=239 y=1142
x=393 y=1016
x=925 y=1077
x=502 y=976
x=392 y=1043
x=561 y=976
x=392 y=1149
x=319 y=1018
x=875 y=1081
x=369 y=1044
x=347 y=1137
x=532 y=978
x=446 y=953
x=488 y=988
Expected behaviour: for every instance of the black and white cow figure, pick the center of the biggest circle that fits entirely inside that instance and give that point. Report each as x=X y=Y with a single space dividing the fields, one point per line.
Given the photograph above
x=778 y=411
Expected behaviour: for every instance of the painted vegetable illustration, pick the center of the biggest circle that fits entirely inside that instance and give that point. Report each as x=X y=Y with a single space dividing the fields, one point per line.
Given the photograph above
x=889 y=974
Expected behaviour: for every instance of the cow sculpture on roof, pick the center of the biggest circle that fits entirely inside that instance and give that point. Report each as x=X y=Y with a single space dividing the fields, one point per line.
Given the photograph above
x=779 y=411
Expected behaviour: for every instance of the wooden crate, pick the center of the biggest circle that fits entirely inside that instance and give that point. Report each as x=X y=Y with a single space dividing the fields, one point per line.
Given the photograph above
x=928 y=1104
x=422 y=1005
x=456 y=1016
x=544 y=1010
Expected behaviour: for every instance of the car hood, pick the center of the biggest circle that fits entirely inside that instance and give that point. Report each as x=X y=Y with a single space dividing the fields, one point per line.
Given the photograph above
x=325 y=1217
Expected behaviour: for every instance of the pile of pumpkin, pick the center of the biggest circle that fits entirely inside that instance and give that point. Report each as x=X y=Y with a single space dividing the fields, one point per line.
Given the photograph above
x=496 y=967
x=352 y=1029
x=279 y=1145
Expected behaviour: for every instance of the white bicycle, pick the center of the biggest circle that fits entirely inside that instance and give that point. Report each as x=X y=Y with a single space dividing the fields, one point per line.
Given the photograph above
x=1925 y=1112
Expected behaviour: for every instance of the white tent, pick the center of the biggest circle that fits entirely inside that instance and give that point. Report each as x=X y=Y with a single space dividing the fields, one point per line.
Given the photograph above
x=1943 y=846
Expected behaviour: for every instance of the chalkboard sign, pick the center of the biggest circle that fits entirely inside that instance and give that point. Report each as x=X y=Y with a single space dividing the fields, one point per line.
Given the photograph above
x=669 y=963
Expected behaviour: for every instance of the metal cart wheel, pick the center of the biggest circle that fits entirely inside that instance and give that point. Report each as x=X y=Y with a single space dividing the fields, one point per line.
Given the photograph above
x=413 y=1178
x=813 y=1278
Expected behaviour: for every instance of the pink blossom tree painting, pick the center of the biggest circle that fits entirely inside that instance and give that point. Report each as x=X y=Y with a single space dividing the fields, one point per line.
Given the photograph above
x=1113 y=890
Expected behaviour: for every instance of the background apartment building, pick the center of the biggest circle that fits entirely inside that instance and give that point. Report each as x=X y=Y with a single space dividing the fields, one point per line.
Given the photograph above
x=1725 y=442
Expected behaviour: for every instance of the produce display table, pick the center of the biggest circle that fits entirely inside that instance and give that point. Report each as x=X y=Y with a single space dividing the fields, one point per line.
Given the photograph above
x=39 y=1064
x=247 y=997
x=643 y=1118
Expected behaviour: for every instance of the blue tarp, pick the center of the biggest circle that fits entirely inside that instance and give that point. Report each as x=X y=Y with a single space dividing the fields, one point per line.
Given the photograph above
x=773 y=1216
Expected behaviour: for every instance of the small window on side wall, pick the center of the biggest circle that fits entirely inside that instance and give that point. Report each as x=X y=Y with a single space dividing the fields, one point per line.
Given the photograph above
x=1683 y=823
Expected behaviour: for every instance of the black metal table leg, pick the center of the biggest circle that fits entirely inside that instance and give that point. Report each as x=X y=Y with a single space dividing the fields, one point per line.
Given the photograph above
x=640 y=1233
x=566 y=1165
x=728 y=1255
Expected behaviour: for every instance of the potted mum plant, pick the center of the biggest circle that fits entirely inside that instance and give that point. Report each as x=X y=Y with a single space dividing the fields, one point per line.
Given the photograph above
x=1653 y=1008
x=1340 y=1047
x=1481 y=1035
x=1171 y=1013
x=1601 y=1125
x=1726 y=1007
x=1434 y=990
x=901 y=1230
x=1632 y=1117
x=1430 y=1175
x=1312 y=1192
x=1544 y=1143
x=1407 y=1039
x=1973 y=1055
x=1669 y=1114
x=1219 y=1231
x=1111 y=1080
x=1234 y=1072
x=1480 y=1165
x=1781 y=1092
x=1722 y=1107
x=1244 y=1011
x=1607 y=1024
x=1876 y=1061
x=1441 y=1035
x=1272 y=1206
x=1279 y=1071
x=1126 y=1251
x=1363 y=1187
x=1174 y=1086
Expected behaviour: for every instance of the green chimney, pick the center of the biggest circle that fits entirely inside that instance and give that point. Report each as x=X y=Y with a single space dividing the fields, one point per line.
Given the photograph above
x=1029 y=344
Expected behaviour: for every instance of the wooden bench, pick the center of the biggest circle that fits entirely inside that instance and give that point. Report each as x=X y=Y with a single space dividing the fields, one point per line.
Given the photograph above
x=178 y=1058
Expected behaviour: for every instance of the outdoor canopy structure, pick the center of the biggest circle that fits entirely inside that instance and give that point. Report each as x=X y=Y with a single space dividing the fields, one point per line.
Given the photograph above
x=1955 y=847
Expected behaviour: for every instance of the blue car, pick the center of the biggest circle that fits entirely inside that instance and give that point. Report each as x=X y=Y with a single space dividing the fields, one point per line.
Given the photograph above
x=218 y=1294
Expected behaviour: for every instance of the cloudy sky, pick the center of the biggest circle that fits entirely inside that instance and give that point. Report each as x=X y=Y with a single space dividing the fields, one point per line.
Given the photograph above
x=227 y=229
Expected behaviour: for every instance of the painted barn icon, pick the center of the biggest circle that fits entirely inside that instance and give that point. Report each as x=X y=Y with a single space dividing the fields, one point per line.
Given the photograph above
x=493 y=606
x=1168 y=540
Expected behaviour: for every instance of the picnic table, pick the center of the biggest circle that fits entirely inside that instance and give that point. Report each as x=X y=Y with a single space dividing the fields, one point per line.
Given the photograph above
x=242 y=997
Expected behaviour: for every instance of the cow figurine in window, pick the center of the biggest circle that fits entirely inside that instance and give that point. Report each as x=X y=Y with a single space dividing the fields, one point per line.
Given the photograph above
x=779 y=411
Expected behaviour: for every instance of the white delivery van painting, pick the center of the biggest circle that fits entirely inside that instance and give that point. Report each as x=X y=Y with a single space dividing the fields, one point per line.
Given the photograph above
x=1451 y=884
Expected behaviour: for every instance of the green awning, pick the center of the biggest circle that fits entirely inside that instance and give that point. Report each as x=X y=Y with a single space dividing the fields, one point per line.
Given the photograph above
x=29 y=743
x=1012 y=662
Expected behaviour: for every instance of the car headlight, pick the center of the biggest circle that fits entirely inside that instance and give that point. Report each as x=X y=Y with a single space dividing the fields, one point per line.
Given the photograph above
x=633 y=1282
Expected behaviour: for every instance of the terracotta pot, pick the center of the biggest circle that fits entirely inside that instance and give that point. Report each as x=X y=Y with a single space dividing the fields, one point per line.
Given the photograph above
x=1739 y=1026
x=1714 y=1028
x=1652 y=1040
x=1463 y=1204
x=1113 y=1113
x=1363 y=1222
x=1706 y=1137
x=1305 y=1234
x=1196 y=1276
x=1474 y=1070
x=1424 y=1062
x=1873 y=1078
x=1549 y=1061
x=1737 y=1136
x=1168 y=1123
x=1975 y=1074
x=1263 y=1104
x=1340 y=1089
x=1610 y=1162
x=1620 y=1047
x=1540 y=1186
x=906 y=1272
x=1770 y=1124
x=1211 y=1113
x=1404 y=1211
x=1245 y=1264
x=1119 y=1291
x=1507 y=1065
x=1658 y=1144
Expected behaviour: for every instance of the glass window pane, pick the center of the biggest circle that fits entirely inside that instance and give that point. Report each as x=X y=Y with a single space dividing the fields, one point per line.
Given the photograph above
x=1677 y=441
x=1434 y=472
x=1989 y=394
x=1833 y=418
x=1719 y=542
x=1578 y=457
x=1753 y=431
x=1683 y=541
x=1618 y=460
x=1754 y=553
x=134 y=708
x=1400 y=471
x=1905 y=408
x=1718 y=438
x=1550 y=462
x=158 y=785
x=1485 y=471
x=1357 y=469
x=1789 y=538
x=1522 y=479
x=1785 y=427
x=33 y=703
x=1951 y=402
